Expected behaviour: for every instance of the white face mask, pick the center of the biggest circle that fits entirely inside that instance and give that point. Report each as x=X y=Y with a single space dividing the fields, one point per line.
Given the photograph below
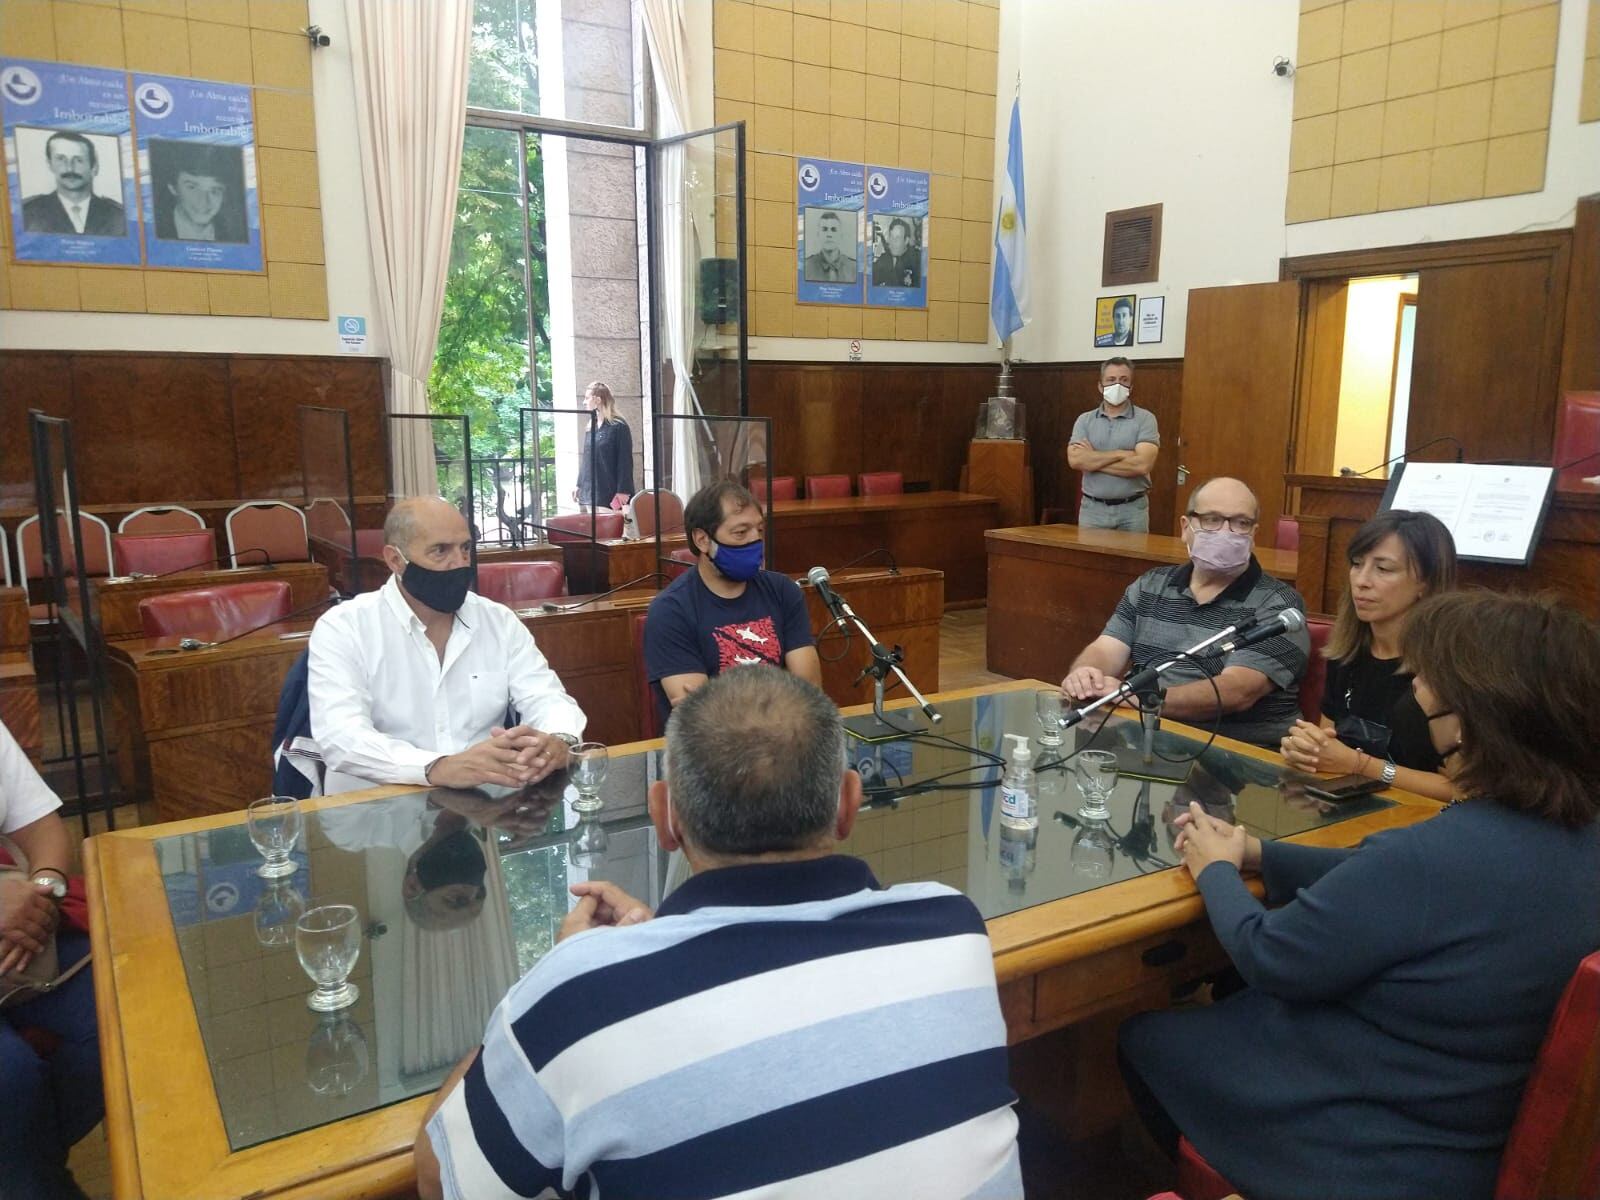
x=1115 y=393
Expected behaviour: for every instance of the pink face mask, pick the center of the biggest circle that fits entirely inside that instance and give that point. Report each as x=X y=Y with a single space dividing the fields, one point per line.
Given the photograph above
x=1220 y=551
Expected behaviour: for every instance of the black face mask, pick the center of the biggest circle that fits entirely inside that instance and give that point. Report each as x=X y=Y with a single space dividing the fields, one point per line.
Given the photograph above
x=442 y=591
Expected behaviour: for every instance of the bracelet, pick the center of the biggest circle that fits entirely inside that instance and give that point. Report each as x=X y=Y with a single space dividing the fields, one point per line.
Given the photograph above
x=1361 y=762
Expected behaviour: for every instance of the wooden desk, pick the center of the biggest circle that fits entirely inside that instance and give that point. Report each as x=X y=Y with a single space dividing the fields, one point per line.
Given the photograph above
x=1057 y=963
x=117 y=598
x=194 y=727
x=940 y=531
x=1052 y=589
x=1331 y=509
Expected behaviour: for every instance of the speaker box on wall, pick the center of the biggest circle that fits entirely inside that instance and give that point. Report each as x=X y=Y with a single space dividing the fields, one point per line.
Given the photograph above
x=719 y=290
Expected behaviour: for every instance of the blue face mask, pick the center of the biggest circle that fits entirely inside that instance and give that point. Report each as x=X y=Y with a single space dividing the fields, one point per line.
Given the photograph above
x=738 y=563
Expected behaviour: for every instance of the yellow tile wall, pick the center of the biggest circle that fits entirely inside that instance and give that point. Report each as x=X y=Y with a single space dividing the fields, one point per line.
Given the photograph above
x=1589 y=104
x=240 y=41
x=900 y=83
x=1403 y=103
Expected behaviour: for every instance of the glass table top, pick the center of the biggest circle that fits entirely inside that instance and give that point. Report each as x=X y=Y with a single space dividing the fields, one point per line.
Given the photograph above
x=459 y=893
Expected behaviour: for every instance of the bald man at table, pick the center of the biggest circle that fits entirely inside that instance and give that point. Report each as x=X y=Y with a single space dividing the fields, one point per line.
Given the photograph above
x=411 y=684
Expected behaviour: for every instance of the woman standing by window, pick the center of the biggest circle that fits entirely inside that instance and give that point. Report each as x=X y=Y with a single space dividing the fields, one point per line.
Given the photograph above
x=605 y=472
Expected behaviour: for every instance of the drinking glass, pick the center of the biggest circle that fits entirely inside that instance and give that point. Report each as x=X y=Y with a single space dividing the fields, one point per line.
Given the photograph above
x=277 y=911
x=1047 y=703
x=328 y=941
x=275 y=825
x=587 y=763
x=1094 y=849
x=336 y=1056
x=1097 y=779
x=588 y=847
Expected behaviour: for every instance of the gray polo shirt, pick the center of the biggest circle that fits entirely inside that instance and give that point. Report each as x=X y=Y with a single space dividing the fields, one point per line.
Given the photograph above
x=1158 y=616
x=1100 y=431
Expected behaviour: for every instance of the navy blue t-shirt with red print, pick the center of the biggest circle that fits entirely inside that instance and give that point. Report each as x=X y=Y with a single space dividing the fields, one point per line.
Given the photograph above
x=690 y=630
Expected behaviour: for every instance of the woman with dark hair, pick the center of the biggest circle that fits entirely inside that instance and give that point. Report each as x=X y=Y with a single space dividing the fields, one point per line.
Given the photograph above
x=605 y=471
x=1398 y=998
x=1371 y=723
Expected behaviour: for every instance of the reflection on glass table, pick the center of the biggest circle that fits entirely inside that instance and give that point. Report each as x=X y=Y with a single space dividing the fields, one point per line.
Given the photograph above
x=459 y=893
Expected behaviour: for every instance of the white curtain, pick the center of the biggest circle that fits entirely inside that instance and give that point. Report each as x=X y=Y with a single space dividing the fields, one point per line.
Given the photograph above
x=410 y=65
x=668 y=43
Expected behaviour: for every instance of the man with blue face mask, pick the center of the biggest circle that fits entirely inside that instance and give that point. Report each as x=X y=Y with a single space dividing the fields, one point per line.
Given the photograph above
x=411 y=683
x=1114 y=445
x=727 y=612
x=1169 y=609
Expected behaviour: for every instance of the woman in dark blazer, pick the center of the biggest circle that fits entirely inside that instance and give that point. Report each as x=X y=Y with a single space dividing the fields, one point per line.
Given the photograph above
x=605 y=471
x=1397 y=999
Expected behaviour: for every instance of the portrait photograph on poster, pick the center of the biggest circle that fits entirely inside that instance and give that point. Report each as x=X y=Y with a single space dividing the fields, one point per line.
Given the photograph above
x=897 y=226
x=831 y=239
x=69 y=163
x=828 y=260
x=197 y=174
x=1113 y=321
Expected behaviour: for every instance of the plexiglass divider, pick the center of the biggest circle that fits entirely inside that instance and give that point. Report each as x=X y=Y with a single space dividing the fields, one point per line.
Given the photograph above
x=556 y=449
x=72 y=548
x=328 y=495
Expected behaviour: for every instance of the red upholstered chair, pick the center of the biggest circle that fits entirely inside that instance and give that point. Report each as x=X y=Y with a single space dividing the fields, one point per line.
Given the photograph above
x=827 y=487
x=574 y=527
x=1287 y=536
x=327 y=521
x=649 y=727
x=682 y=560
x=161 y=553
x=882 y=483
x=369 y=543
x=1577 y=437
x=521 y=584
x=1316 y=676
x=276 y=529
x=161 y=519
x=1197 y=1179
x=649 y=505
x=214 y=613
x=92 y=546
x=783 y=488
x=1554 y=1147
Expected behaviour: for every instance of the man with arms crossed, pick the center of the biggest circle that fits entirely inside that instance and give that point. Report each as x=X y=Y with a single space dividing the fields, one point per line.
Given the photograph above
x=783 y=1027
x=727 y=612
x=1115 y=444
x=411 y=683
x=1169 y=609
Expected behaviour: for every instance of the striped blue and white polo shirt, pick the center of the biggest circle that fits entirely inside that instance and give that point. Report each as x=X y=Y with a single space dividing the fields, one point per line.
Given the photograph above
x=782 y=1029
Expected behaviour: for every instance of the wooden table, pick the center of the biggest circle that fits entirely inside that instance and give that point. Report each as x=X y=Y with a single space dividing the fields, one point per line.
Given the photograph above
x=1111 y=950
x=194 y=727
x=941 y=531
x=1052 y=589
x=1331 y=509
x=116 y=598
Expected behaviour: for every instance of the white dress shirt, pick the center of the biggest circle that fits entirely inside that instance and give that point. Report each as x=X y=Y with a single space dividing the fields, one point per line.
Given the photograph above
x=24 y=797
x=383 y=706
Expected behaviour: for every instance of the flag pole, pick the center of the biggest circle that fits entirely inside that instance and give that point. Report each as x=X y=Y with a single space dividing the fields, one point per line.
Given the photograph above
x=1003 y=388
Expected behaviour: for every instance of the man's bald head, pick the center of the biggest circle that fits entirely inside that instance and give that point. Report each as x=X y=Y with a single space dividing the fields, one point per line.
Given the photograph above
x=1224 y=495
x=415 y=525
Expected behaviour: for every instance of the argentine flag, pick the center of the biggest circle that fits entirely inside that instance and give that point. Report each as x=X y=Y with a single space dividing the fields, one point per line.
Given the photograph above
x=1008 y=300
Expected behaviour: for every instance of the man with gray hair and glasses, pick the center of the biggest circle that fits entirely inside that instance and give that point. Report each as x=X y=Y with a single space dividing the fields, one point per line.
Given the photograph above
x=1168 y=609
x=781 y=1025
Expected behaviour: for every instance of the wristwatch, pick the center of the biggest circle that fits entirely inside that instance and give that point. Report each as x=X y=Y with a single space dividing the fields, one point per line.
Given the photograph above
x=1388 y=772
x=57 y=886
x=571 y=742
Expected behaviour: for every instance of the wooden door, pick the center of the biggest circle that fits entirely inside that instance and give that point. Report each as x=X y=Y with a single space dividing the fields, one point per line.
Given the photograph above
x=1486 y=357
x=1238 y=390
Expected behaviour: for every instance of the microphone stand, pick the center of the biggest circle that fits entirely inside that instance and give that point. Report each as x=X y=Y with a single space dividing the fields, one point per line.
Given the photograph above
x=878 y=727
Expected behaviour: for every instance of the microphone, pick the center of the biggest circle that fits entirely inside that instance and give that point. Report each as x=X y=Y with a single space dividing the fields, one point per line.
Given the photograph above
x=883 y=659
x=1460 y=452
x=1269 y=625
x=190 y=643
x=550 y=606
x=818 y=578
x=209 y=562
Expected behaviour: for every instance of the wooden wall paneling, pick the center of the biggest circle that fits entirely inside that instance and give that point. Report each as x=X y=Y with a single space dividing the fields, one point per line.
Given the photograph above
x=1580 y=354
x=1485 y=363
x=267 y=394
x=28 y=379
x=153 y=427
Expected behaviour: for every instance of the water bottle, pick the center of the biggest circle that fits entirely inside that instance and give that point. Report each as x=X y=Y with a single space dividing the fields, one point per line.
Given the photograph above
x=1019 y=798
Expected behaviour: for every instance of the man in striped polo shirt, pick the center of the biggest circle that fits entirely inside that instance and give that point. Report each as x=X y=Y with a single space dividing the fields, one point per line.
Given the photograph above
x=1169 y=609
x=783 y=1024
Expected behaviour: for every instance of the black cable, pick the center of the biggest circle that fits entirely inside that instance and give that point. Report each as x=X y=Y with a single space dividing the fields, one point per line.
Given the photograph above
x=894 y=568
x=1216 y=721
x=844 y=630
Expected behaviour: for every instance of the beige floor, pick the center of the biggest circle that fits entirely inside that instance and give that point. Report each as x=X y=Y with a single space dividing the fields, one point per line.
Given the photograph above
x=961 y=665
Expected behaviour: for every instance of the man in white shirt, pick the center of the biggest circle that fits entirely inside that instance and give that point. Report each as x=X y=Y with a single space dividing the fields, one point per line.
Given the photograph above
x=410 y=684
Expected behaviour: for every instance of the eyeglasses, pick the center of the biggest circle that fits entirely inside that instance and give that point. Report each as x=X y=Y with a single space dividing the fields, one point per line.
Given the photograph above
x=1211 y=522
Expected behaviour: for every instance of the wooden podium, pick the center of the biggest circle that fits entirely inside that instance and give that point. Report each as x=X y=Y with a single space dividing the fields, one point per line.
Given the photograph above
x=999 y=467
x=1331 y=508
